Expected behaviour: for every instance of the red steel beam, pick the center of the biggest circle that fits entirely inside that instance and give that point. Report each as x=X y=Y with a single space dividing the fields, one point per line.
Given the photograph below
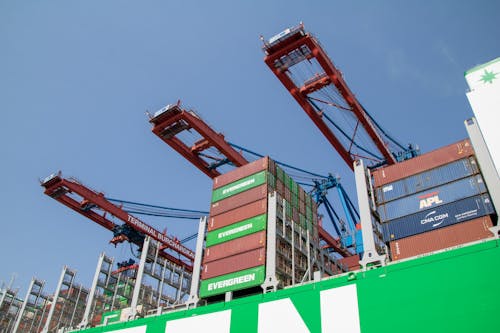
x=59 y=188
x=311 y=112
x=174 y=115
x=332 y=242
x=300 y=94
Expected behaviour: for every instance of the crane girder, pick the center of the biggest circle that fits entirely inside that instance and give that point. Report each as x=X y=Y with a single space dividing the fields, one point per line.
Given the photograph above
x=172 y=120
x=300 y=45
x=64 y=190
x=333 y=243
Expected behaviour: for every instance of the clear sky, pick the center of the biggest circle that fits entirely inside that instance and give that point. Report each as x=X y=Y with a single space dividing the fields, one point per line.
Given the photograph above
x=76 y=78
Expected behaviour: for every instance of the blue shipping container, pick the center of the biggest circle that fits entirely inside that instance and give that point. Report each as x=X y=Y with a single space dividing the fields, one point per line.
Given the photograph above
x=431 y=198
x=420 y=182
x=439 y=217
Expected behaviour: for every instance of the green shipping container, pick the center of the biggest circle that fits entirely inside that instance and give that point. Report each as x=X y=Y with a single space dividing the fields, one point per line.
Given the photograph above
x=111 y=317
x=239 y=186
x=280 y=173
x=236 y=230
x=234 y=281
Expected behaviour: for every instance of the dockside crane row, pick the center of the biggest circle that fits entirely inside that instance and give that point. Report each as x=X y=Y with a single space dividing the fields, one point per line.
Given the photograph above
x=96 y=207
x=172 y=120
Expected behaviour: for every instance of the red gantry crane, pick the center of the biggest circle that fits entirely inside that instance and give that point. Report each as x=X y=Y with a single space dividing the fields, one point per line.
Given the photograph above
x=171 y=121
x=97 y=208
x=169 y=124
x=303 y=67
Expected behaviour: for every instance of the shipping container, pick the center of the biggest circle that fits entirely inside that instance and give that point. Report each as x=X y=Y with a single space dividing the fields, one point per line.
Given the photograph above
x=420 y=182
x=424 y=162
x=439 y=239
x=235 y=263
x=237 y=215
x=238 y=200
x=236 y=230
x=263 y=164
x=240 y=185
x=438 y=217
x=233 y=281
x=350 y=263
x=431 y=198
x=235 y=246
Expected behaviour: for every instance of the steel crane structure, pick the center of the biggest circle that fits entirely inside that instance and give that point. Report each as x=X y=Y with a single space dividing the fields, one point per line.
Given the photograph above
x=96 y=207
x=169 y=122
x=310 y=76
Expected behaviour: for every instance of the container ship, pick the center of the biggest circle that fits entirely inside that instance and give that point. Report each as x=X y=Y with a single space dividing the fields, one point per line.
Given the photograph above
x=419 y=251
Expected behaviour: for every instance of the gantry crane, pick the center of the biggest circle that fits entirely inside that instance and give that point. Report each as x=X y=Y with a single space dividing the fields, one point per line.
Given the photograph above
x=170 y=122
x=96 y=207
x=310 y=76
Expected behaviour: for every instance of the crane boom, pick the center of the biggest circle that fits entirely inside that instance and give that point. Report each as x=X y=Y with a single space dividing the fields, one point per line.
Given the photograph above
x=172 y=120
x=87 y=201
x=296 y=47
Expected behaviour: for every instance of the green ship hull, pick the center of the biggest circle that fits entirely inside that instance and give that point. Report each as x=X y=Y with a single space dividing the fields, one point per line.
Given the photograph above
x=457 y=290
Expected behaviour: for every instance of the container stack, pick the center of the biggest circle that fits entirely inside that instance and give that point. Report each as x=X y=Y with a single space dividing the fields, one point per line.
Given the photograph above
x=235 y=254
x=434 y=201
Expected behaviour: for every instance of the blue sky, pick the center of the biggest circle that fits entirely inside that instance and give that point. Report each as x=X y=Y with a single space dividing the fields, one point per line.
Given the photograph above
x=77 y=77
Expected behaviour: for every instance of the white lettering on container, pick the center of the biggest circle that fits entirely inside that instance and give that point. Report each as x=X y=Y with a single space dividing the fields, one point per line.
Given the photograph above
x=235 y=230
x=238 y=186
x=231 y=282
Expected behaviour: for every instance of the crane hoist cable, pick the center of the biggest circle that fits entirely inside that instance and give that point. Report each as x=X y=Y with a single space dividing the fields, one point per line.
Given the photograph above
x=318 y=109
x=277 y=162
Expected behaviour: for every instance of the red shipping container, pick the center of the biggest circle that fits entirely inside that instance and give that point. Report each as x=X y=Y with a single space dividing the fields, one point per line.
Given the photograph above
x=234 y=263
x=351 y=263
x=443 y=238
x=238 y=200
x=238 y=214
x=235 y=246
x=422 y=163
x=242 y=172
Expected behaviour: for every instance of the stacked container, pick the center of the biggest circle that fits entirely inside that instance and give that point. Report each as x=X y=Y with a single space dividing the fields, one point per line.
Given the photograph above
x=425 y=202
x=235 y=253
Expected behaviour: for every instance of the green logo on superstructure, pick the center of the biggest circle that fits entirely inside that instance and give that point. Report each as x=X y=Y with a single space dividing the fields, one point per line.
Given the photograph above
x=488 y=77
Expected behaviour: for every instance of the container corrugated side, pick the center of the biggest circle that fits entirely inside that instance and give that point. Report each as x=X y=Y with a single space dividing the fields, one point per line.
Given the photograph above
x=242 y=172
x=235 y=263
x=440 y=239
x=236 y=230
x=239 y=200
x=432 y=198
x=235 y=246
x=438 y=217
x=420 y=182
x=237 y=215
x=422 y=163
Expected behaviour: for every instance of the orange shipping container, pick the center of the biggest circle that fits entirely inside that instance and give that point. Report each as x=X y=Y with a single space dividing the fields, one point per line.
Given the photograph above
x=235 y=246
x=241 y=172
x=238 y=214
x=443 y=238
x=422 y=163
x=238 y=200
x=234 y=263
x=351 y=263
